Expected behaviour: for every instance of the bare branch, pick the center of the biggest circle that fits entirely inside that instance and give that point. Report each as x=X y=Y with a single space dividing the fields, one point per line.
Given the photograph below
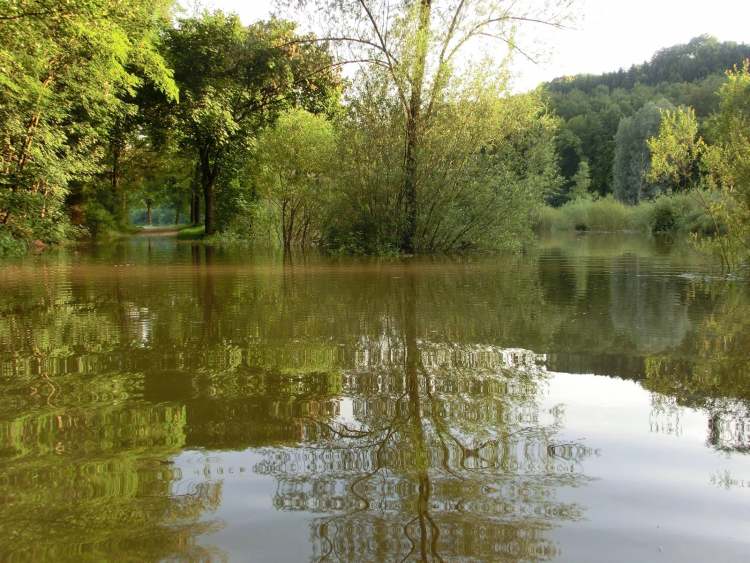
x=441 y=58
x=391 y=60
x=512 y=44
x=477 y=29
x=311 y=40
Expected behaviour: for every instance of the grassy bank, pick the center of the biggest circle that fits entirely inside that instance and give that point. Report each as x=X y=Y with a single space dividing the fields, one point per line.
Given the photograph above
x=228 y=237
x=196 y=232
x=673 y=214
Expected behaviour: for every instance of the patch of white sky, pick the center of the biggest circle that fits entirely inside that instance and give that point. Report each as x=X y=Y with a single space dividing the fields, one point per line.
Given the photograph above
x=608 y=34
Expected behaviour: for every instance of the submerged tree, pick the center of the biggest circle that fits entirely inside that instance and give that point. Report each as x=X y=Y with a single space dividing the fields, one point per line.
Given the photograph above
x=416 y=46
x=295 y=159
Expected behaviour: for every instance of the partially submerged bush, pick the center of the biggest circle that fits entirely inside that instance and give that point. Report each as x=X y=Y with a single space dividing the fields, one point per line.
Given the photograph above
x=667 y=214
x=605 y=215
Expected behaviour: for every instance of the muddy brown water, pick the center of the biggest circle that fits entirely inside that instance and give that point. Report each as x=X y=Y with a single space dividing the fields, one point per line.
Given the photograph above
x=161 y=400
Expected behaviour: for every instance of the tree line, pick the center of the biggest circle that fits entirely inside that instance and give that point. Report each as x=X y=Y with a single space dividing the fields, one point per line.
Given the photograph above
x=606 y=120
x=255 y=130
x=671 y=134
x=388 y=131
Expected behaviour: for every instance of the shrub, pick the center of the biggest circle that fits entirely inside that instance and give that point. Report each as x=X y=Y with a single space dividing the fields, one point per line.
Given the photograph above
x=11 y=246
x=668 y=214
x=606 y=215
x=191 y=233
x=98 y=220
x=678 y=213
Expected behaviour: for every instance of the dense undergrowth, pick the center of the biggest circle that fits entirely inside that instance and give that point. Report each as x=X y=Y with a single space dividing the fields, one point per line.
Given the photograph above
x=682 y=214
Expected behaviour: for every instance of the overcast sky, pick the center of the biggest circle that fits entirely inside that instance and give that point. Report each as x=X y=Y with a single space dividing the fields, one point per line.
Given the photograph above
x=610 y=34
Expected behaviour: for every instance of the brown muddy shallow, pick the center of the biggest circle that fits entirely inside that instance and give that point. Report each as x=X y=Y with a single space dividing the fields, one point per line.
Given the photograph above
x=161 y=400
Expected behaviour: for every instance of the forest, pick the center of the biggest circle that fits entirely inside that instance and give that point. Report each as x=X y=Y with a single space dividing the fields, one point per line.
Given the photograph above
x=386 y=132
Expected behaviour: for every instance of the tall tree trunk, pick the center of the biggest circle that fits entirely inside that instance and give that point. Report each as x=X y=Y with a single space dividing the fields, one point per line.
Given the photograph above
x=121 y=202
x=195 y=206
x=286 y=227
x=209 y=220
x=149 y=221
x=195 y=197
x=409 y=195
x=413 y=130
x=177 y=215
x=208 y=173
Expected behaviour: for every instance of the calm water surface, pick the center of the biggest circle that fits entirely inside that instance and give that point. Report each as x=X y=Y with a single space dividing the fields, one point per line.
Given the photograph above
x=164 y=401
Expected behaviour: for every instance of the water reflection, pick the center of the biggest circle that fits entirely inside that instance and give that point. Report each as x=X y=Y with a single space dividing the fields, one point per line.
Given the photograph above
x=442 y=453
x=403 y=409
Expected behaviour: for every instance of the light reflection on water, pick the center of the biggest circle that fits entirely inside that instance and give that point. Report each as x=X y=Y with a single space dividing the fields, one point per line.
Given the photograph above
x=163 y=400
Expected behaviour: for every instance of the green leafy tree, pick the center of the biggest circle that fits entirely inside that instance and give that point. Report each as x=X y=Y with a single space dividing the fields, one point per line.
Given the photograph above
x=234 y=81
x=414 y=47
x=581 y=182
x=157 y=177
x=632 y=162
x=728 y=163
x=66 y=70
x=591 y=106
x=295 y=159
x=487 y=161
x=676 y=151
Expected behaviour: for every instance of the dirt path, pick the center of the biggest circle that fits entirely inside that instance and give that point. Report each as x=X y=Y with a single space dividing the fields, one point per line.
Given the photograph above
x=157 y=232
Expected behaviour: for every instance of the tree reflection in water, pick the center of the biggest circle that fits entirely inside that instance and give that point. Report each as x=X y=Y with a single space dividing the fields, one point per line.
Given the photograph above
x=710 y=371
x=444 y=453
x=393 y=402
x=85 y=474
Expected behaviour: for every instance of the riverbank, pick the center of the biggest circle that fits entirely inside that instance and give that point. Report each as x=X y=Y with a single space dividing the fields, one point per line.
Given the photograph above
x=670 y=214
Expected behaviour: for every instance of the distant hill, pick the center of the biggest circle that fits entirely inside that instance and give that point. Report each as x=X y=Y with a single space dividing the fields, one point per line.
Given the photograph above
x=592 y=106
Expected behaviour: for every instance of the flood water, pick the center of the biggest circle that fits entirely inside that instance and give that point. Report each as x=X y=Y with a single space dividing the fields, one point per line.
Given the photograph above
x=167 y=401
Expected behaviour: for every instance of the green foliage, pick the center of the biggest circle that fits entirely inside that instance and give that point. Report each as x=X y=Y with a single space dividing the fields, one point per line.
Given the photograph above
x=295 y=160
x=98 y=220
x=66 y=72
x=592 y=107
x=632 y=163
x=364 y=217
x=420 y=157
x=701 y=57
x=441 y=199
x=485 y=164
x=681 y=213
x=581 y=182
x=156 y=177
x=235 y=81
x=676 y=151
x=10 y=245
x=604 y=214
x=727 y=161
x=191 y=233
x=677 y=213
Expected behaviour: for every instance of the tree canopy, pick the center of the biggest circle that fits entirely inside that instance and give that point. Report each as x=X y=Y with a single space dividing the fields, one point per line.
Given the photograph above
x=67 y=73
x=114 y=112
